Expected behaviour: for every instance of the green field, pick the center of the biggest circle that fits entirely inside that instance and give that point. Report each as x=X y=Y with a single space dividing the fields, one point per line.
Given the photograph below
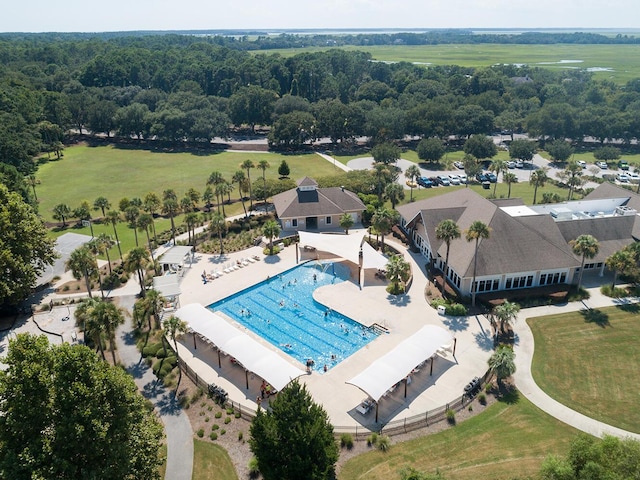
x=590 y=362
x=85 y=173
x=623 y=60
x=508 y=440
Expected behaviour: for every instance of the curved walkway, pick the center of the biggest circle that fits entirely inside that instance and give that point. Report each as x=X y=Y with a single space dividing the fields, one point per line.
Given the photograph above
x=524 y=350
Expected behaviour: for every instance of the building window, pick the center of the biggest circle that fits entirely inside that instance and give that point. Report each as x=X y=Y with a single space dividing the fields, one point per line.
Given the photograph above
x=328 y=221
x=518 y=282
x=487 y=285
x=553 y=278
x=294 y=222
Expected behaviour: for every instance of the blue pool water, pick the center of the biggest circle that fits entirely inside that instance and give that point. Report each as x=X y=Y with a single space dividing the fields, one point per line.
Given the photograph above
x=282 y=311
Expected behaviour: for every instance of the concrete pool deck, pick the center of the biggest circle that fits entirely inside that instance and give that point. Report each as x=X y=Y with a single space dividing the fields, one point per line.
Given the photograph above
x=401 y=315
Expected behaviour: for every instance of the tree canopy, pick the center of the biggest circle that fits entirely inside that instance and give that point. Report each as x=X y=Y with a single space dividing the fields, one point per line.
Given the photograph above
x=294 y=439
x=25 y=249
x=68 y=415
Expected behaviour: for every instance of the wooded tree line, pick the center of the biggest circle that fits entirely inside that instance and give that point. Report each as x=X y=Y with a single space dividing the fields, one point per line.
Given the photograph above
x=181 y=88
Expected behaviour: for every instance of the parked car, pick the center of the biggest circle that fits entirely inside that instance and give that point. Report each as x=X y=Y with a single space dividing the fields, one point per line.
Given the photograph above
x=459 y=165
x=454 y=179
x=424 y=182
x=623 y=178
x=491 y=177
x=511 y=164
x=481 y=177
x=602 y=165
x=443 y=180
x=582 y=163
x=623 y=165
x=463 y=178
x=519 y=164
x=633 y=177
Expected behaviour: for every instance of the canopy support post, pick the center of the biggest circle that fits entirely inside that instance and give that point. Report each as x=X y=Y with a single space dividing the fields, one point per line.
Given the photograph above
x=219 y=362
x=195 y=347
x=376 y=412
x=246 y=377
x=431 y=366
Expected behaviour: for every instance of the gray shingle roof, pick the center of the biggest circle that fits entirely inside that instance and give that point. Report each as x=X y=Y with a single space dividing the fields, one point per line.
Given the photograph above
x=322 y=201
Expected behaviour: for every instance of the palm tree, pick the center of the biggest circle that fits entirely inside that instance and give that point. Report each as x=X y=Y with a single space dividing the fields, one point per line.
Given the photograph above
x=618 y=262
x=498 y=166
x=83 y=264
x=509 y=178
x=114 y=218
x=101 y=203
x=346 y=222
x=174 y=327
x=191 y=219
x=91 y=324
x=194 y=196
x=131 y=215
x=382 y=175
x=240 y=178
x=169 y=194
x=502 y=363
x=155 y=301
x=248 y=165
x=136 y=261
x=587 y=246
x=447 y=231
x=398 y=271
x=538 y=179
x=411 y=174
x=382 y=221
x=32 y=181
x=107 y=244
x=62 y=211
x=263 y=165
x=170 y=207
x=109 y=316
x=216 y=179
x=271 y=230
x=97 y=248
x=477 y=231
x=144 y=222
x=218 y=225
x=506 y=314
x=394 y=193
x=221 y=190
x=207 y=196
x=151 y=205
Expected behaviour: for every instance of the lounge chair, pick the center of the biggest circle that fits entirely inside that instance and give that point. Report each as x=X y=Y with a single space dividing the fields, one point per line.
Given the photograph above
x=244 y=262
x=250 y=260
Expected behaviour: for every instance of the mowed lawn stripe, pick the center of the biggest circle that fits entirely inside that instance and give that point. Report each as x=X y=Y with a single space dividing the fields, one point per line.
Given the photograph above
x=591 y=363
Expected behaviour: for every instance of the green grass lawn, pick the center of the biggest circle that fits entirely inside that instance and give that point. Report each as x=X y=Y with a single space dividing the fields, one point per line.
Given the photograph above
x=624 y=60
x=211 y=462
x=85 y=173
x=591 y=362
x=505 y=441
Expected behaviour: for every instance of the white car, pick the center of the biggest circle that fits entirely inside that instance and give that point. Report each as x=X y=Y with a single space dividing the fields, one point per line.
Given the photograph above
x=602 y=165
x=454 y=179
x=511 y=164
x=623 y=178
x=582 y=163
x=463 y=178
x=459 y=165
x=519 y=164
x=633 y=177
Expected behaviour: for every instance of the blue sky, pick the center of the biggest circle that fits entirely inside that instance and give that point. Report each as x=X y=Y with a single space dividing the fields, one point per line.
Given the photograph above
x=117 y=15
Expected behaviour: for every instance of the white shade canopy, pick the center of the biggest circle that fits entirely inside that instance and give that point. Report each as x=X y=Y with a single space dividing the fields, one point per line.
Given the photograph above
x=388 y=370
x=345 y=246
x=167 y=285
x=176 y=255
x=254 y=356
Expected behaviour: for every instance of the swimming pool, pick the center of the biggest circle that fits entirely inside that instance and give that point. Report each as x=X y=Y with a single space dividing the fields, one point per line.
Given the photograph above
x=283 y=312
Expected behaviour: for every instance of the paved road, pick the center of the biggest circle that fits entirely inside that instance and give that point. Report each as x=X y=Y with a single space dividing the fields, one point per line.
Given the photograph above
x=176 y=423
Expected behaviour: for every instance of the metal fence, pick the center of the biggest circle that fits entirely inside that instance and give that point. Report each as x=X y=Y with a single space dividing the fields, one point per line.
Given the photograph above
x=396 y=427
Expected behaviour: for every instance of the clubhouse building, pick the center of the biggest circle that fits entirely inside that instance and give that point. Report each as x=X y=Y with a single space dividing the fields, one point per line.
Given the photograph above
x=528 y=245
x=309 y=207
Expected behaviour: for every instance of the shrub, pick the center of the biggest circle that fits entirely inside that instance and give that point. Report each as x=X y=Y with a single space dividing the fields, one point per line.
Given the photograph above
x=201 y=433
x=151 y=350
x=451 y=416
x=254 y=471
x=346 y=441
x=213 y=436
x=482 y=398
x=111 y=281
x=613 y=292
x=237 y=414
x=206 y=419
x=456 y=310
x=227 y=420
x=215 y=426
x=218 y=414
x=384 y=443
x=229 y=410
x=223 y=431
x=372 y=439
x=240 y=436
